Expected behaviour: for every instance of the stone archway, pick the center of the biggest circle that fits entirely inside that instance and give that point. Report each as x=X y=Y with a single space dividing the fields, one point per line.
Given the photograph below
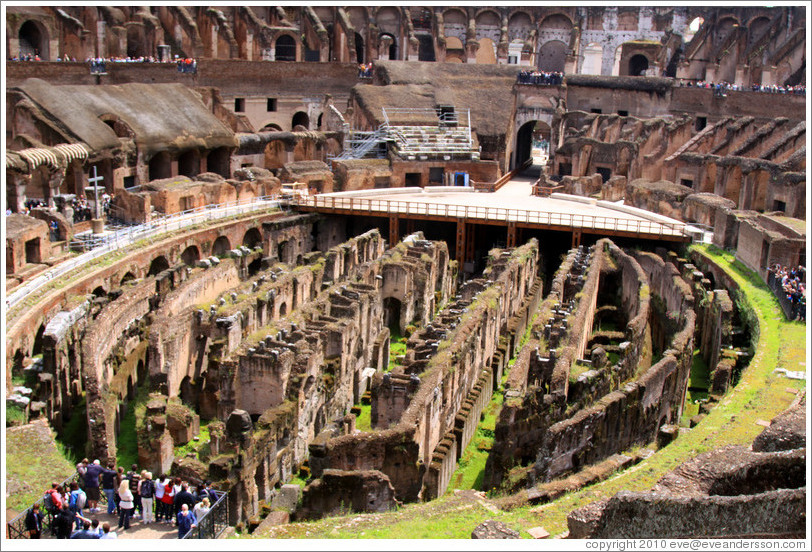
x=221 y=246
x=638 y=65
x=285 y=48
x=190 y=255
x=33 y=40
x=158 y=265
x=552 y=56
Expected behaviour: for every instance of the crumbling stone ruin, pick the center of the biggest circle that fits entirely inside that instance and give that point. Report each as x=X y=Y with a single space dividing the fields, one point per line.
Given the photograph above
x=758 y=490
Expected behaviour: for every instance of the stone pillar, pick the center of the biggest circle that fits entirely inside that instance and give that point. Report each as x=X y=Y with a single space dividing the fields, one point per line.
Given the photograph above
x=741 y=75
x=55 y=179
x=15 y=190
x=289 y=153
x=164 y=53
x=768 y=75
x=214 y=41
x=101 y=48
x=249 y=47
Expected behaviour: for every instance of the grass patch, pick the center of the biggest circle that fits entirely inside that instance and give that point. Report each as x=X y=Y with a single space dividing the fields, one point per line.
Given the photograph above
x=33 y=459
x=127 y=439
x=363 y=422
x=15 y=415
x=200 y=448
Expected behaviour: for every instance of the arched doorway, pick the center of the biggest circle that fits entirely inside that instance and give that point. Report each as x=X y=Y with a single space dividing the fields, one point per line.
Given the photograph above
x=190 y=255
x=552 y=56
x=285 y=48
x=252 y=238
x=392 y=52
x=33 y=39
x=532 y=140
x=221 y=247
x=160 y=166
x=128 y=277
x=158 y=265
x=638 y=65
x=300 y=118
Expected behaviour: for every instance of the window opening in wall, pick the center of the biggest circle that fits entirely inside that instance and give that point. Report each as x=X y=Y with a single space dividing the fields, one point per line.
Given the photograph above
x=605 y=172
x=239 y=105
x=436 y=174
x=687 y=182
x=622 y=112
x=564 y=169
x=701 y=122
x=412 y=180
x=32 y=251
x=271 y=104
x=596 y=110
x=779 y=206
x=129 y=181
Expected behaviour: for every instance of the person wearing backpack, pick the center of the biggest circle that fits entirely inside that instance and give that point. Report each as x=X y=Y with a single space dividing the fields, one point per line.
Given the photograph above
x=146 y=489
x=78 y=499
x=134 y=479
x=53 y=499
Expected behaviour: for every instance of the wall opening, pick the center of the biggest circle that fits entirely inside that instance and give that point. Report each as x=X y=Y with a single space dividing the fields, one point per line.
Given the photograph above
x=33 y=40
x=219 y=162
x=412 y=180
x=252 y=238
x=190 y=255
x=301 y=119
x=160 y=166
x=391 y=312
x=32 y=251
x=638 y=65
x=285 y=48
x=158 y=265
x=221 y=246
x=359 y=48
x=189 y=163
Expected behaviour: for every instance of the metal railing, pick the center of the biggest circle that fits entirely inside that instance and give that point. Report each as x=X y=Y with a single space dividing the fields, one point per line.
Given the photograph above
x=385 y=207
x=149 y=230
x=789 y=307
x=16 y=526
x=213 y=522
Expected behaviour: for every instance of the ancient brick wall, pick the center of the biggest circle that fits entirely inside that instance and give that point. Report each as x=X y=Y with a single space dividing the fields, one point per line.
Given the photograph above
x=430 y=432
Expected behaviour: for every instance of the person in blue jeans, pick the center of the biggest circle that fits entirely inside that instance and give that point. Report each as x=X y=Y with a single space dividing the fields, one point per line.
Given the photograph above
x=108 y=478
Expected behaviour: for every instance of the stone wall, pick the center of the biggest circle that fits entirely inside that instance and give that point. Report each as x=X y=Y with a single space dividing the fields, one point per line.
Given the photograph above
x=441 y=379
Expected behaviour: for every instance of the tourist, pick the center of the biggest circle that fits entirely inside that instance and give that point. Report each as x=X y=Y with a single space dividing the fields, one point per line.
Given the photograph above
x=184 y=497
x=53 y=499
x=168 y=499
x=205 y=491
x=134 y=478
x=107 y=533
x=64 y=522
x=86 y=532
x=33 y=522
x=77 y=500
x=91 y=478
x=125 y=505
x=202 y=508
x=108 y=483
x=81 y=468
x=159 y=495
x=146 y=490
x=186 y=521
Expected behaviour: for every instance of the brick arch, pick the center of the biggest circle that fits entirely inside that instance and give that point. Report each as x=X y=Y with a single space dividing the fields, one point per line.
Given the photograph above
x=556 y=18
x=287 y=38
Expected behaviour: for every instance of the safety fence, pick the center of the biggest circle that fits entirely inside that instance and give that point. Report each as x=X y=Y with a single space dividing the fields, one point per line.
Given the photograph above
x=472 y=213
x=148 y=231
x=212 y=524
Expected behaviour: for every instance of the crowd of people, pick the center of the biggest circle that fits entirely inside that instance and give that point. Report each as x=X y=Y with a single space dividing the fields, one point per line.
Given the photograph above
x=365 y=70
x=722 y=88
x=131 y=495
x=792 y=283
x=552 y=78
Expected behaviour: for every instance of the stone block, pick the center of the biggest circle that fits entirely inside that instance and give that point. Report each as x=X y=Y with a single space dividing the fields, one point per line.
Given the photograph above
x=492 y=529
x=286 y=498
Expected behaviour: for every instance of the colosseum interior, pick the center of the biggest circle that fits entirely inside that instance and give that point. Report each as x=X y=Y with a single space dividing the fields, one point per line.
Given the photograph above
x=366 y=267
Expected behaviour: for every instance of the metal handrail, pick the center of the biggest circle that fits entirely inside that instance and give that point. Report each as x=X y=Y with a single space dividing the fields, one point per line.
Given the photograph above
x=16 y=526
x=130 y=235
x=212 y=524
x=372 y=205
